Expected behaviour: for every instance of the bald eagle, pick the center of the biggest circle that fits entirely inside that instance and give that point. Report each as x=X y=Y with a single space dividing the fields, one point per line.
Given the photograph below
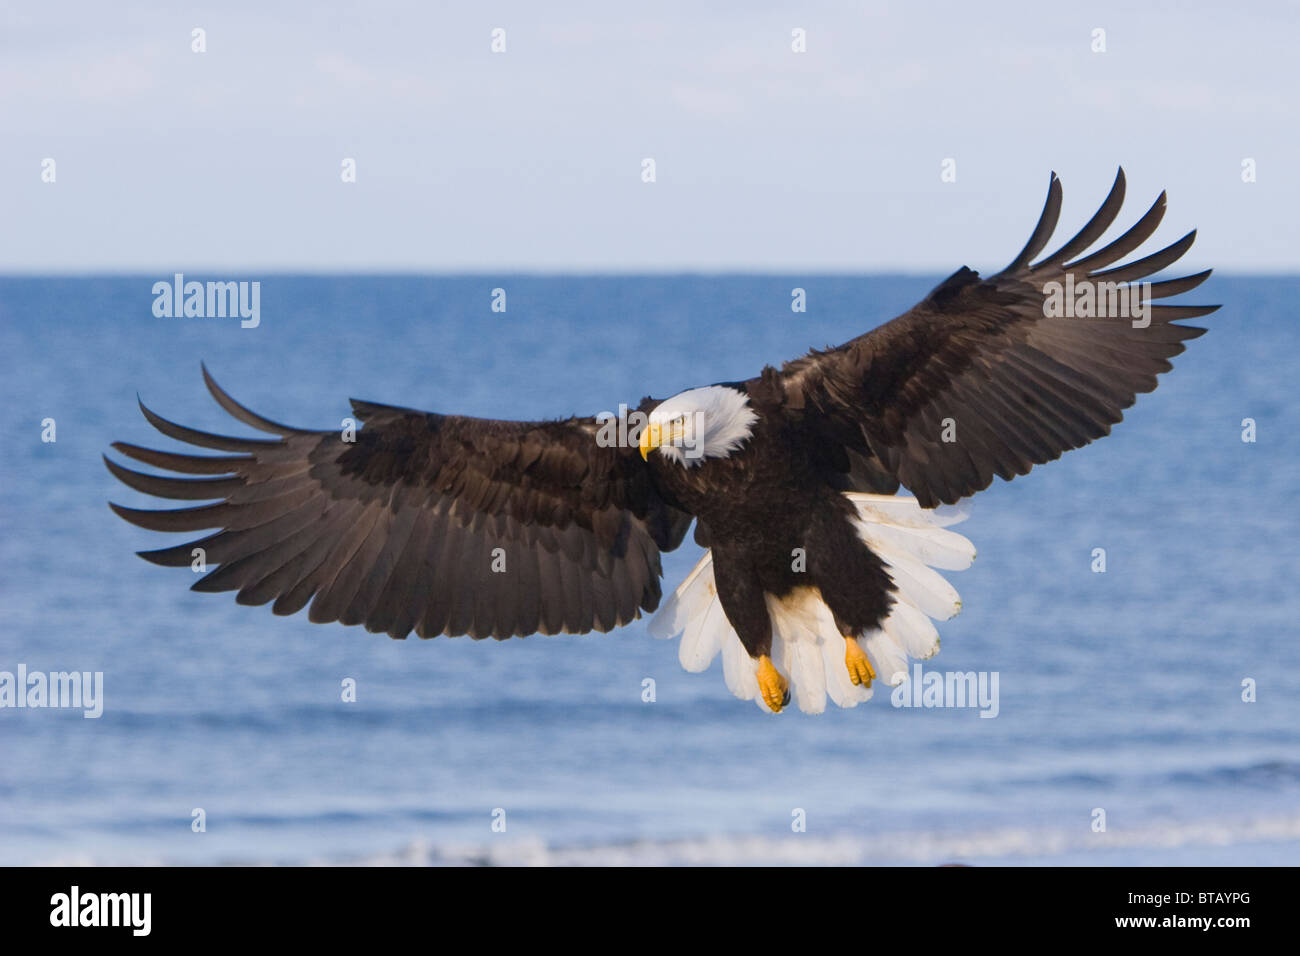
x=818 y=578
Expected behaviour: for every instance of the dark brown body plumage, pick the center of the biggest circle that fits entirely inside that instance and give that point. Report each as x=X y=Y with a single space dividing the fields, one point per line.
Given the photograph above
x=774 y=517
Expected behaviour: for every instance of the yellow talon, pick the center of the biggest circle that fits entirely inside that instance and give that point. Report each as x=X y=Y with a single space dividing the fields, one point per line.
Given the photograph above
x=855 y=659
x=773 y=687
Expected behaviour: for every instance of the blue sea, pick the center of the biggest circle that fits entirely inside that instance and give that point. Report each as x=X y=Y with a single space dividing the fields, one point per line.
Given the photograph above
x=1120 y=692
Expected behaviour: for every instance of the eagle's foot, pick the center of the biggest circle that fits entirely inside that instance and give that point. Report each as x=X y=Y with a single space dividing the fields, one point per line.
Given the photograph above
x=855 y=659
x=774 y=688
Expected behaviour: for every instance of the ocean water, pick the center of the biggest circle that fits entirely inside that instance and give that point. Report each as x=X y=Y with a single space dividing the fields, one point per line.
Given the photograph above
x=1118 y=691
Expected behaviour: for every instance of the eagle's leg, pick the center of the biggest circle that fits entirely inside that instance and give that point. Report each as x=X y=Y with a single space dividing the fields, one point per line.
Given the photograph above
x=774 y=688
x=741 y=593
x=855 y=659
x=856 y=588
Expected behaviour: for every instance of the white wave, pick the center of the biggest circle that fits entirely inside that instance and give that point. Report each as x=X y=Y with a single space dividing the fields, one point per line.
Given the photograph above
x=1151 y=841
x=856 y=848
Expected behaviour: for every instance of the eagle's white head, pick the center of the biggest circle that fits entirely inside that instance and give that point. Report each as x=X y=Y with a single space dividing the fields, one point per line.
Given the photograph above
x=700 y=423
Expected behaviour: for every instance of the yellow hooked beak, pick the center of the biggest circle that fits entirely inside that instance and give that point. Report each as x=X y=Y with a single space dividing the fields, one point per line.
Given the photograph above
x=651 y=438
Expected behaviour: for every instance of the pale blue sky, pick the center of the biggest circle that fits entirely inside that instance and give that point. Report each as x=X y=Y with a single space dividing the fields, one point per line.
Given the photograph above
x=766 y=159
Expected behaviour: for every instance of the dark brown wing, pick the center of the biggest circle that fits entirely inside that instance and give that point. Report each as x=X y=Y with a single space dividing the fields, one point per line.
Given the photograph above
x=991 y=365
x=434 y=523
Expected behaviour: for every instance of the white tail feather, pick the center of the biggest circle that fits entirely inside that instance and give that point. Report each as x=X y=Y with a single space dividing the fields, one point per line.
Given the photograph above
x=924 y=589
x=887 y=657
x=739 y=669
x=843 y=691
x=690 y=599
x=796 y=651
x=698 y=650
x=933 y=546
x=806 y=645
x=913 y=631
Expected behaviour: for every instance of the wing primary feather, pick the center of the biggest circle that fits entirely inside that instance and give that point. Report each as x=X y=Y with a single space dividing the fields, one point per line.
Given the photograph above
x=1149 y=264
x=203 y=439
x=1043 y=231
x=1136 y=234
x=245 y=415
x=178 y=489
x=1168 y=287
x=1095 y=226
x=186 y=464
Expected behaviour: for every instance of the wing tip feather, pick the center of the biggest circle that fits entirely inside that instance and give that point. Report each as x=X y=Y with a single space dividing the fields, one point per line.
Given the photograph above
x=241 y=412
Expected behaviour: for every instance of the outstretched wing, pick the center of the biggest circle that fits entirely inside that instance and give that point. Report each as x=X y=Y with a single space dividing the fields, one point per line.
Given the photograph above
x=434 y=523
x=993 y=376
